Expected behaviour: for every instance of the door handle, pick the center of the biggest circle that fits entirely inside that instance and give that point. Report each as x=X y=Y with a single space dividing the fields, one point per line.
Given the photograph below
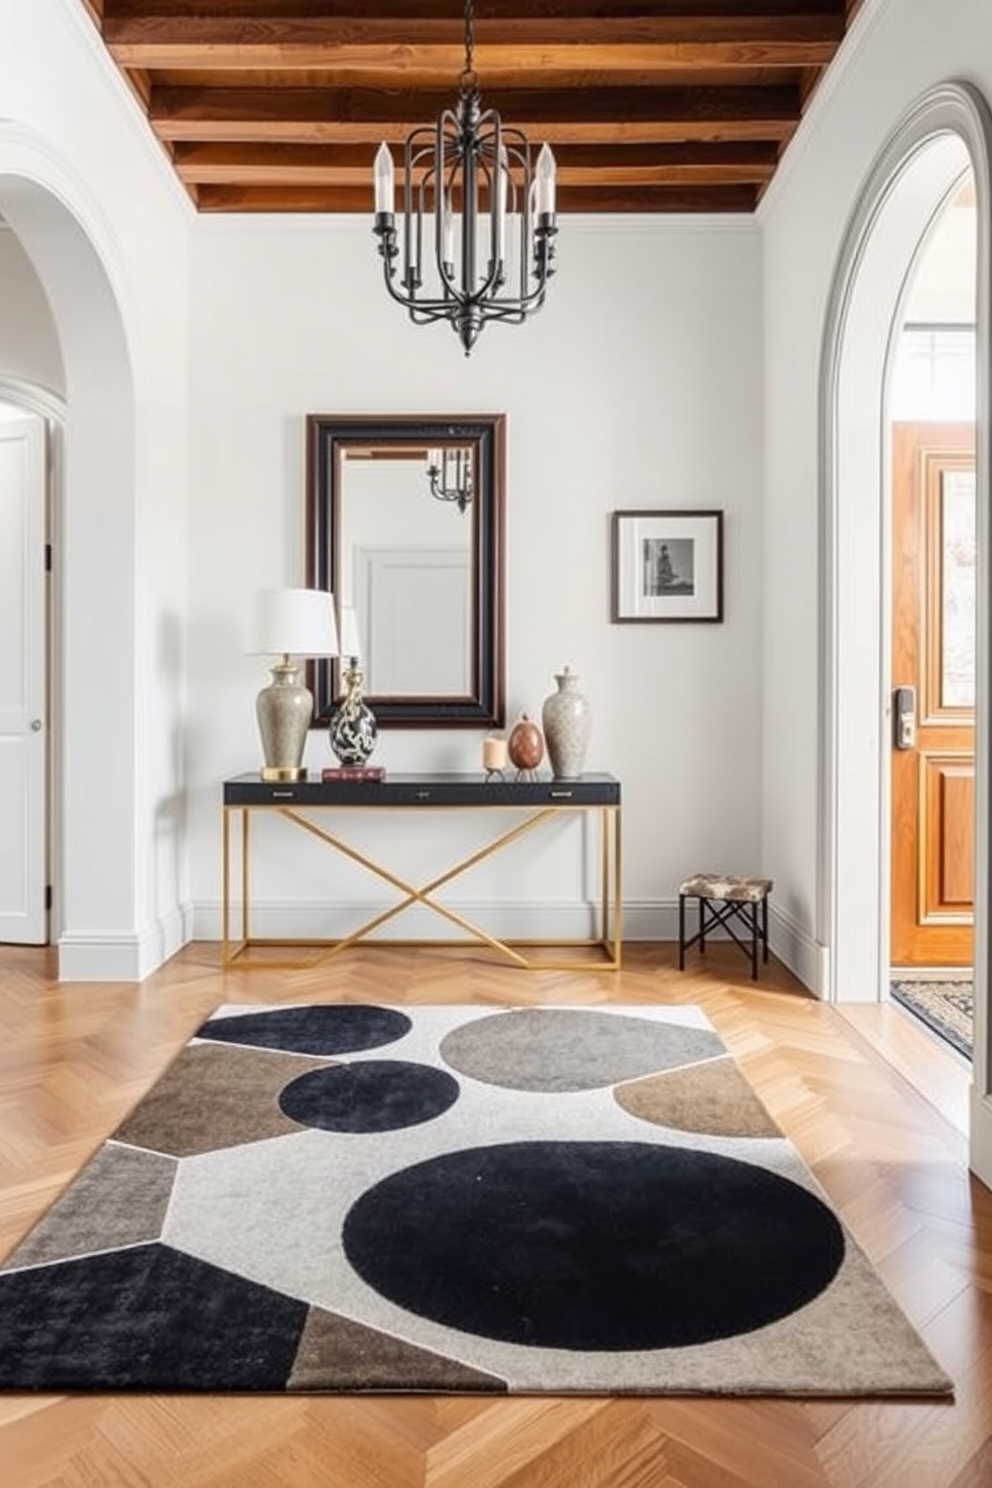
x=904 y=715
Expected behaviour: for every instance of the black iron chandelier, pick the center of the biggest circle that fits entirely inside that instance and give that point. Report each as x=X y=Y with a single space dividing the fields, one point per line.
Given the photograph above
x=449 y=473
x=486 y=211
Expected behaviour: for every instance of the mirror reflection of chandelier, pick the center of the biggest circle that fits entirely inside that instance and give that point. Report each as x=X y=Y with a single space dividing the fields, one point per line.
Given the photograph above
x=449 y=472
x=476 y=241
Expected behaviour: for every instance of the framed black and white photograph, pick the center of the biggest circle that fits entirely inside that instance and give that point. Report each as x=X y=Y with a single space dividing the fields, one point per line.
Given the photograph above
x=667 y=565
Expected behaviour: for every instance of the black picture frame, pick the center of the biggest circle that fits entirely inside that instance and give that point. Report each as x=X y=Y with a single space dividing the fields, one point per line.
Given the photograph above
x=667 y=567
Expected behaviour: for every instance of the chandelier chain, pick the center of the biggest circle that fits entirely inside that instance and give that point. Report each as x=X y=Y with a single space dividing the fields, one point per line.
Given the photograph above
x=469 y=78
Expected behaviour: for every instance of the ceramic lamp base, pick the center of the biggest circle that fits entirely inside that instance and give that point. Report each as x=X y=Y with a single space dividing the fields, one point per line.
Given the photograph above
x=284 y=710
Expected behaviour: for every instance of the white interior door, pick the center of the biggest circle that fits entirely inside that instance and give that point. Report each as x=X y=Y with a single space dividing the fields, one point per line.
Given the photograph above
x=23 y=684
x=415 y=608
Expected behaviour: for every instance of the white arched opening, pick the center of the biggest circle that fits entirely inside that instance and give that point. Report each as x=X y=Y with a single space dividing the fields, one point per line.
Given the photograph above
x=945 y=133
x=95 y=679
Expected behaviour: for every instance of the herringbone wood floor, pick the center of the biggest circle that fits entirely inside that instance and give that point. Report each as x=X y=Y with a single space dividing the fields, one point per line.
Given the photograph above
x=75 y=1058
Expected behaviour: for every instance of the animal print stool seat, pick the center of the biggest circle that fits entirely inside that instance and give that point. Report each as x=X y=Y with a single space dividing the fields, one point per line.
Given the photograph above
x=728 y=901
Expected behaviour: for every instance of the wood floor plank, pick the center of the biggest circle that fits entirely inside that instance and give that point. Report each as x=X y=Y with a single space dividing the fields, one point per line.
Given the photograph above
x=887 y=1150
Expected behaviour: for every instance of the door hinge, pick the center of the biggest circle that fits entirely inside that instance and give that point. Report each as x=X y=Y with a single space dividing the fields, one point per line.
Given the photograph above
x=48 y=557
x=48 y=896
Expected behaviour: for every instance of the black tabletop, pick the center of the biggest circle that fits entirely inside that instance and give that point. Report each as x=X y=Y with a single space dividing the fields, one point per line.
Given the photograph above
x=395 y=789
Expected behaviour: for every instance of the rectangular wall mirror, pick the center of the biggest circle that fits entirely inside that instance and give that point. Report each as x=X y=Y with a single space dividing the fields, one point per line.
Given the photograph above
x=405 y=528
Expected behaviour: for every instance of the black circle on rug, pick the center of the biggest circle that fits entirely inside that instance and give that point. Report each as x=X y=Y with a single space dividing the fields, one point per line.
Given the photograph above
x=314 y=1029
x=594 y=1245
x=369 y=1095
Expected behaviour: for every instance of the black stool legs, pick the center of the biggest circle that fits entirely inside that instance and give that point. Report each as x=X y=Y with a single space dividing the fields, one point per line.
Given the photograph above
x=751 y=915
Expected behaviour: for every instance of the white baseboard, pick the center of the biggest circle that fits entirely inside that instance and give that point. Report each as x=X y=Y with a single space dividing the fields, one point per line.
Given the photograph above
x=132 y=957
x=643 y=920
x=797 y=949
x=980 y=1136
x=793 y=946
x=525 y=920
x=124 y=958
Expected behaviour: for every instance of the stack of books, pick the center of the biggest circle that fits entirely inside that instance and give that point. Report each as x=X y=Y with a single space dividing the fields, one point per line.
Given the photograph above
x=354 y=772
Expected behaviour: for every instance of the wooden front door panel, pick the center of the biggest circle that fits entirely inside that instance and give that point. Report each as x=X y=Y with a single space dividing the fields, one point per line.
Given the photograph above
x=933 y=652
x=947 y=884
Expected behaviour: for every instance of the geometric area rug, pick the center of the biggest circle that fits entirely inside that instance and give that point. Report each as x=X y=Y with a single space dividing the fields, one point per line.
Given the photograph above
x=946 y=1005
x=359 y=1197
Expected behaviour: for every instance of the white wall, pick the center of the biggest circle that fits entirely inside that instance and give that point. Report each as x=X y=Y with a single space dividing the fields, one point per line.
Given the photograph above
x=29 y=342
x=94 y=207
x=638 y=385
x=896 y=51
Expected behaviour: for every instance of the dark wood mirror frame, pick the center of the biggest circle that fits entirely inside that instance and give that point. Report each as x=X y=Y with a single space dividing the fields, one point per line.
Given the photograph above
x=328 y=439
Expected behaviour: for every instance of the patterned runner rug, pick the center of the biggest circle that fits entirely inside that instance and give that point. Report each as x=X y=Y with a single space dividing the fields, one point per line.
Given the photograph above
x=945 y=1006
x=347 y=1197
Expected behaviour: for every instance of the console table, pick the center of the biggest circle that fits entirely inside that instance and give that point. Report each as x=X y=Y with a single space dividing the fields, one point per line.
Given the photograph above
x=305 y=805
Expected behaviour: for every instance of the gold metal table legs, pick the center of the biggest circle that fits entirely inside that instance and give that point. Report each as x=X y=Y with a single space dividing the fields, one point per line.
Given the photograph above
x=235 y=946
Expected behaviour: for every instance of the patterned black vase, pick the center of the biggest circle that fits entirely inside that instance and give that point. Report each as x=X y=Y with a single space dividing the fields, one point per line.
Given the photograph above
x=352 y=730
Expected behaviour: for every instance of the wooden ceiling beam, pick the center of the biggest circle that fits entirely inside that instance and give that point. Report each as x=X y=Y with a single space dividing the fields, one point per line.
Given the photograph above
x=351 y=115
x=450 y=12
x=344 y=165
x=588 y=157
x=572 y=199
x=506 y=81
x=620 y=45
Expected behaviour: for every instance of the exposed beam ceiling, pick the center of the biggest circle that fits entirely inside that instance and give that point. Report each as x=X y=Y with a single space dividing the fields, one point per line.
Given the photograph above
x=279 y=105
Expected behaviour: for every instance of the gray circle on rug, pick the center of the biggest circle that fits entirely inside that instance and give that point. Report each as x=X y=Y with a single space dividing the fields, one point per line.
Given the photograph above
x=558 y=1049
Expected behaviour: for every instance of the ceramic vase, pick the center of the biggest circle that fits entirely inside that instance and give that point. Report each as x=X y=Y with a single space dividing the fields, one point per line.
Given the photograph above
x=352 y=731
x=567 y=720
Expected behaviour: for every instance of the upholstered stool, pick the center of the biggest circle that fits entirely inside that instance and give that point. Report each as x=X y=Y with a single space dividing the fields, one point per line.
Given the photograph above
x=725 y=900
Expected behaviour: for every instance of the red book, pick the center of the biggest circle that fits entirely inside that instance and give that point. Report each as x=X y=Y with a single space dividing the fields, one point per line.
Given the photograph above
x=354 y=772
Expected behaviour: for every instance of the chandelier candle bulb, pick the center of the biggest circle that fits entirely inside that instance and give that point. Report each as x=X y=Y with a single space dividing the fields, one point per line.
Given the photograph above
x=545 y=183
x=383 y=180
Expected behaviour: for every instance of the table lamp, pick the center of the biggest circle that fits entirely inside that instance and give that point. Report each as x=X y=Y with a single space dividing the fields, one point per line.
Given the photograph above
x=288 y=623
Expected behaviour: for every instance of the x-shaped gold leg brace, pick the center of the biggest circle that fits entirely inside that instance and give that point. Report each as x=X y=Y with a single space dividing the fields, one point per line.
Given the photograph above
x=413 y=895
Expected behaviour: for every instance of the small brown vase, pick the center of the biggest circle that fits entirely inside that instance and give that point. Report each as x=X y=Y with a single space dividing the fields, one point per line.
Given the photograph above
x=525 y=745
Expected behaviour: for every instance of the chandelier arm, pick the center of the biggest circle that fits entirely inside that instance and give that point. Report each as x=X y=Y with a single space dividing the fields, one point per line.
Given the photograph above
x=417 y=150
x=429 y=310
x=442 y=172
x=457 y=490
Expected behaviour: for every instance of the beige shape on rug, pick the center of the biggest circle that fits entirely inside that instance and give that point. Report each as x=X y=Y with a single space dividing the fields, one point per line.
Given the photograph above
x=713 y=1097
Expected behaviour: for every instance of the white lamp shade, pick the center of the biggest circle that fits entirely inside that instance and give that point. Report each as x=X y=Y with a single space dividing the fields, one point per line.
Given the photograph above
x=292 y=622
x=351 y=641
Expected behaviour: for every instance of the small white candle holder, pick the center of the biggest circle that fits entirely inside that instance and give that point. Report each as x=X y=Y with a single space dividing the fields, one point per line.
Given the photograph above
x=494 y=757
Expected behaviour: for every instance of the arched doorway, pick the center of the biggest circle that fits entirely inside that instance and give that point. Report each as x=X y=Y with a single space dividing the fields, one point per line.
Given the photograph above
x=945 y=134
x=95 y=682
